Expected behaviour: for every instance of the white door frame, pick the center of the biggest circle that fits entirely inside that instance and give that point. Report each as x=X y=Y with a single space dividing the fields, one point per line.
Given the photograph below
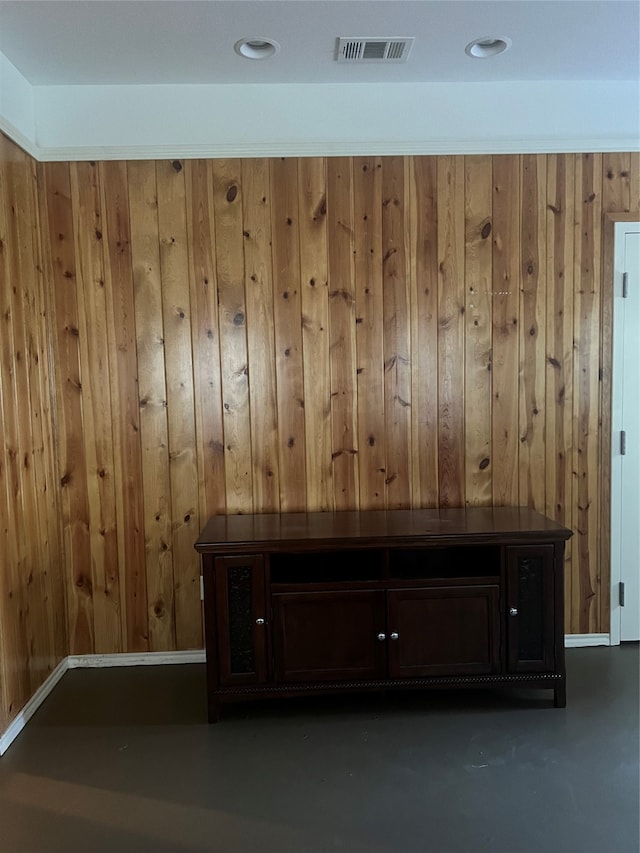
x=620 y=229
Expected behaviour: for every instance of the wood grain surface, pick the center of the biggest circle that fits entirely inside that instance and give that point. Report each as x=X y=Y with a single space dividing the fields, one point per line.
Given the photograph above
x=33 y=619
x=183 y=339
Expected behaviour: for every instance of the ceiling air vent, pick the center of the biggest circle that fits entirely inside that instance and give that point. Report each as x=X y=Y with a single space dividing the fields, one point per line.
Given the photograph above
x=374 y=49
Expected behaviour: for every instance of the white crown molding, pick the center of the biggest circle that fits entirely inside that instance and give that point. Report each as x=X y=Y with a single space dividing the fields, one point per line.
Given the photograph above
x=337 y=148
x=66 y=123
x=20 y=139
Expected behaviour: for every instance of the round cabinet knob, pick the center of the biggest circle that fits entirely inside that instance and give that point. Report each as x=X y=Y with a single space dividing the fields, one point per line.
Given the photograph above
x=513 y=611
x=394 y=636
x=382 y=637
x=260 y=621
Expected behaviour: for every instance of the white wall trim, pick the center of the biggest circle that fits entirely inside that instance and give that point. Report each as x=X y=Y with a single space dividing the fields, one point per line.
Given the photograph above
x=91 y=661
x=107 y=122
x=19 y=722
x=164 y=658
x=578 y=641
x=19 y=138
x=269 y=120
x=337 y=148
x=135 y=659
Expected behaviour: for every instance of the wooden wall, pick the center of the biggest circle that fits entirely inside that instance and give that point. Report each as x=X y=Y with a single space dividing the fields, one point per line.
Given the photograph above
x=258 y=335
x=32 y=596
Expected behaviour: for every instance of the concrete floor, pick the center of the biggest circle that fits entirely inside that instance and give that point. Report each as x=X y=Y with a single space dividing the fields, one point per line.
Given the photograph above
x=122 y=760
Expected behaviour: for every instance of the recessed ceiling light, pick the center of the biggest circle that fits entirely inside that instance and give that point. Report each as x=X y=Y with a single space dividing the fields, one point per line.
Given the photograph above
x=256 y=48
x=485 y=47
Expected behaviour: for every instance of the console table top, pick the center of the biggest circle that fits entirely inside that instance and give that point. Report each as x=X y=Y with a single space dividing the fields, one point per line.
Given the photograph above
x=351 y=528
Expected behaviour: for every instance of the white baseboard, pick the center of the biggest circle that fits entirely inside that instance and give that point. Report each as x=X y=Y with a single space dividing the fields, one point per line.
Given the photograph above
x=576 y=641
x=19 y=722
x=163 y=658
x=136 y=659
x=79 y=661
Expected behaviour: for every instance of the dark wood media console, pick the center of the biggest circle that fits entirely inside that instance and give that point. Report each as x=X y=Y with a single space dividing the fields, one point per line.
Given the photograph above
x=301 y=603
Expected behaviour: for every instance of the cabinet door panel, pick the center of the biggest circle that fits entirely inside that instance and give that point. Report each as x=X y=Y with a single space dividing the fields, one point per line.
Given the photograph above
x=530 y=604
x=328 y=636
x=240 y=603
x=444 y=631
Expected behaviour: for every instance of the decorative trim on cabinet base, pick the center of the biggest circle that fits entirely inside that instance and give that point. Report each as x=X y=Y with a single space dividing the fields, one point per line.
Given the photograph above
x=527 y=679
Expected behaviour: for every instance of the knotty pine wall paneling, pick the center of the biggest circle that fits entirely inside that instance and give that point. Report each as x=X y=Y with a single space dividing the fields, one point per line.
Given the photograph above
x=423 y=228
x=478 y=328
x=287 y=318
x=302 y=334
x=559 y=243
x=342 y=334
x=367 y=226
x=396 y=332
x=33 y=620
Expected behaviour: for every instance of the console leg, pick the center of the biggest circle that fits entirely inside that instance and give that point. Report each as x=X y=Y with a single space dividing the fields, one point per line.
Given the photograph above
x=560 y=696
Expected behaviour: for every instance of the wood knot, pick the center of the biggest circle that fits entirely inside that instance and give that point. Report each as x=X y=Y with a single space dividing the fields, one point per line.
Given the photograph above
x=232 y=192
x=177 y=165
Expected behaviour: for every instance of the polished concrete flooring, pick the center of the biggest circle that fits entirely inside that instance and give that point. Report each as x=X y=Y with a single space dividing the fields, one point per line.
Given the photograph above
x=122 y=760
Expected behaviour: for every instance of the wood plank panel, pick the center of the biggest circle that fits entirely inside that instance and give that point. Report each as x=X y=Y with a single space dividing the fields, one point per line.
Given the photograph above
x=13 y=627
x=288 y=333
x=31 y=553
x=125 y=402
x=312 y=211
x=367 y=183
x=559 y=352
x=342 y=324
x=451 y=344
x=531 y=451
x=506 y=285
x=72 y=461
x=256 y=214
x=96 y=406
x=54 y=551
x=176 y=309
x=478 y=305
x=24 y=279
x=587 y=283
x=634 y=182
x=424 y=329
x=232 y=318
x=616 y=181
x=206 y=337
x=397 y=340
x=152 y=389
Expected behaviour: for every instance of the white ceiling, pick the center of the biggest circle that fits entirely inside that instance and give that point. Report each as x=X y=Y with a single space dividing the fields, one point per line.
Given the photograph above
x=180 y=41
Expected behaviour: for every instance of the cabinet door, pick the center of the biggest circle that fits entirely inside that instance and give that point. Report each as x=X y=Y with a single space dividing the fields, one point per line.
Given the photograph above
x=444 y=630
x=241 y=620
x=329 y=636
x=530 y=619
